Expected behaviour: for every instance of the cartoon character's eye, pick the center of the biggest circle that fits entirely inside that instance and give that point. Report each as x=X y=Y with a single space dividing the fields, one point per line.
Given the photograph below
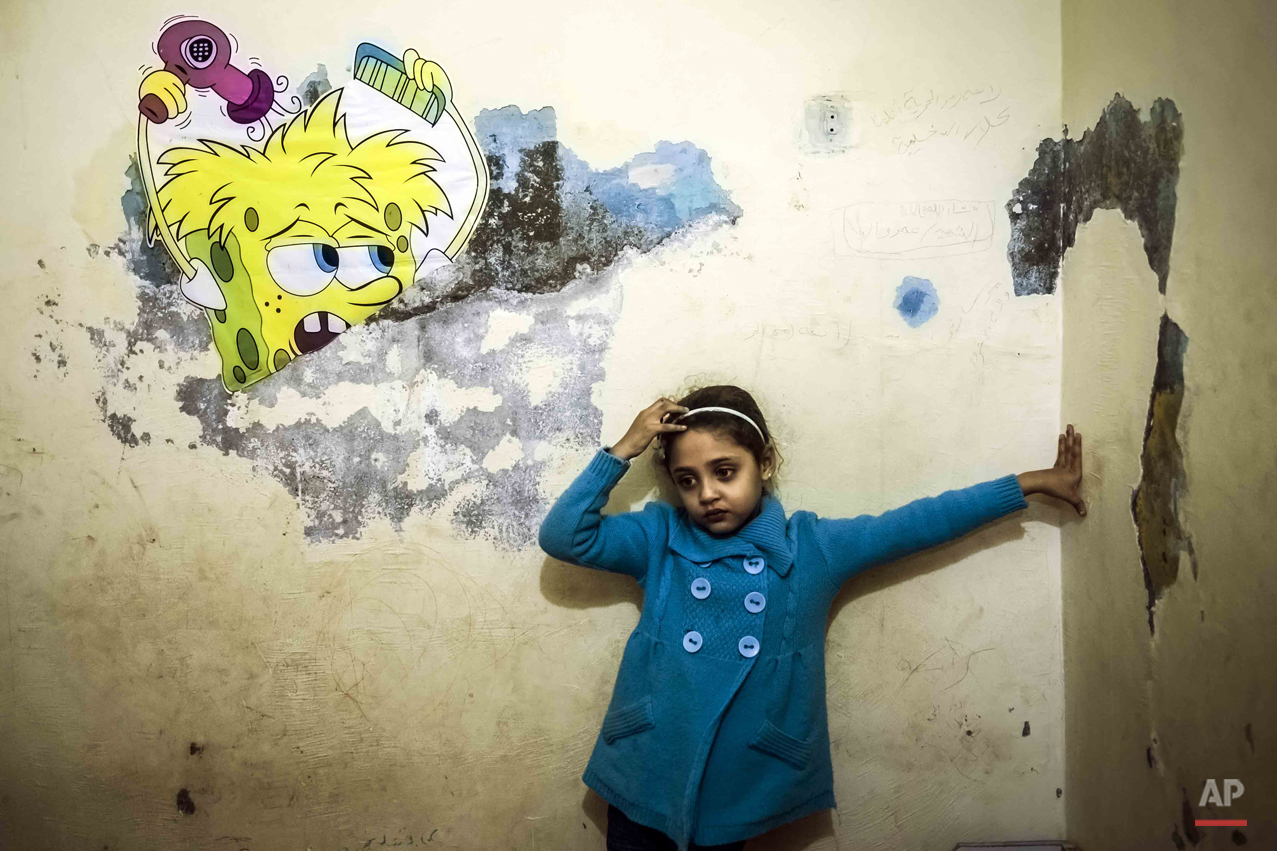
x=304 y=269
x=382 y=257
x=326 y=257
x=362 y=264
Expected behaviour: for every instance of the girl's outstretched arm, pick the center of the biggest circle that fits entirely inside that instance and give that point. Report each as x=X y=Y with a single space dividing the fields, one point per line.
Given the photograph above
x=859 y=543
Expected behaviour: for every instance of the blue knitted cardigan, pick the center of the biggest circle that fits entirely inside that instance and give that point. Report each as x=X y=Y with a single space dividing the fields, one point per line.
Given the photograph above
x=700 y=740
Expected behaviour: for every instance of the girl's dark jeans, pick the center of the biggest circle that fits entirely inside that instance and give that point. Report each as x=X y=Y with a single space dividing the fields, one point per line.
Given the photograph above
x=625 y=835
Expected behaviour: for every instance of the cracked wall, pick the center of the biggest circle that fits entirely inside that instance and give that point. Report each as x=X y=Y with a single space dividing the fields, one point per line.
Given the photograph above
x=1156 y=502
x=1169 y=374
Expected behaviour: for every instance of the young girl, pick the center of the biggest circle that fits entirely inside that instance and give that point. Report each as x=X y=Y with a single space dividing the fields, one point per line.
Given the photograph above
x=717 y=728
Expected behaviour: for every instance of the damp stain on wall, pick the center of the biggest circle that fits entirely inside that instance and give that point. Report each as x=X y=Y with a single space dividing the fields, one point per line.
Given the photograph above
x=419 y=410
x=1155 y=503
x=1123 y=162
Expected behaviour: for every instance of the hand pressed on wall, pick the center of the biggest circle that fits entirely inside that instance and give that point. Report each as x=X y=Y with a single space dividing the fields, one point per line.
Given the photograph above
x=1064 y=480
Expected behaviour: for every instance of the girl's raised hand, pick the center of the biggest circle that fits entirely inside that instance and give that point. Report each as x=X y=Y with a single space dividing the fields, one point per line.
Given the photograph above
x=1064 y=480
x=646 y=426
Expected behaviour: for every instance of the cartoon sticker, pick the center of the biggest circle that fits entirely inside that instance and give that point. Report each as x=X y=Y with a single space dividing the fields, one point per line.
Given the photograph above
x=292 y=225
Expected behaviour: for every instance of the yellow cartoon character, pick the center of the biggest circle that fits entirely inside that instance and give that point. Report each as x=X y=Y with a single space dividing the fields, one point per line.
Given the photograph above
x=299 y=239
x=288 y=244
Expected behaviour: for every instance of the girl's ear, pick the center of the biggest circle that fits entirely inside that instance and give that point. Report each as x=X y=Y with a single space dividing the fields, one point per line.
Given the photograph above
x=769 y=463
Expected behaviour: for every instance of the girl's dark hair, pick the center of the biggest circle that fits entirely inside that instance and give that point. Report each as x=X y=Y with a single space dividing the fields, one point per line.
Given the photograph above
x=722 y=424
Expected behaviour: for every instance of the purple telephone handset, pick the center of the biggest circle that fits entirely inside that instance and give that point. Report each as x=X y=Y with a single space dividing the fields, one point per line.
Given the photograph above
x=199 y=54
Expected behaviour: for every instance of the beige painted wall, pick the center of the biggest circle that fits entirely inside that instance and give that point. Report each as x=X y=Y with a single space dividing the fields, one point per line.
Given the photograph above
x=1151 y=717
x=416 y=681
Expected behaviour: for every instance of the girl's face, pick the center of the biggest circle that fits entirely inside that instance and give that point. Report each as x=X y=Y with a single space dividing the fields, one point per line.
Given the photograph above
x=718 y=480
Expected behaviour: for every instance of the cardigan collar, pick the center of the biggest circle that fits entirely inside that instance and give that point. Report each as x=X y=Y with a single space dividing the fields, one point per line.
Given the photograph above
x=765 y=533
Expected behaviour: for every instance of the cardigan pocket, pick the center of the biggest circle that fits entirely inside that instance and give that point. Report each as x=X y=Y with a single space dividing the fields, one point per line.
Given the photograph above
x=628 y=720
x=775 y=742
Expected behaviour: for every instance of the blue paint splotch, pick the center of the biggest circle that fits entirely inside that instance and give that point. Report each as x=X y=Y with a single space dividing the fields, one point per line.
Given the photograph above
x=916 y=300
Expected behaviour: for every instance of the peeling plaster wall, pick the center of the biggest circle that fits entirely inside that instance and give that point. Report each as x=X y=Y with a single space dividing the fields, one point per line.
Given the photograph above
x=1169 y=583
x=312 y=615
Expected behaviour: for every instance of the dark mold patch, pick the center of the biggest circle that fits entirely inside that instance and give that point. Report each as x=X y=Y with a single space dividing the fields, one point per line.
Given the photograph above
x=120 y=425
x=1155 y=503
x=551 y=219
x=1187 y=820
x=1238 y=837
x=1025 y=731
x=197 y=749
x=1121 y=163
x=148 y=262
x=185 y=805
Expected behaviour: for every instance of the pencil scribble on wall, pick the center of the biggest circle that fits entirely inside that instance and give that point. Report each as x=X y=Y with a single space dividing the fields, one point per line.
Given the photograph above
x=1122 y=163
x=459 y=394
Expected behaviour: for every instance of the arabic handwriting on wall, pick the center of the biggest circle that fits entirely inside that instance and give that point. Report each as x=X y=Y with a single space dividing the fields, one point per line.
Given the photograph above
x=402 y=839
x=913 y=229
x=916 y=118
x=833 y=332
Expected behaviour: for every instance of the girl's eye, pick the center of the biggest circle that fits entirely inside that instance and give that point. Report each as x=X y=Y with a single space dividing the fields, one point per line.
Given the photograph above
x=725 y=473
x=304 y=269
x=362 y=264
x=685 y=483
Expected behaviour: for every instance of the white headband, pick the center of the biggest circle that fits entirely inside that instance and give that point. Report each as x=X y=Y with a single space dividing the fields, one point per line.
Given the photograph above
x=725 y=411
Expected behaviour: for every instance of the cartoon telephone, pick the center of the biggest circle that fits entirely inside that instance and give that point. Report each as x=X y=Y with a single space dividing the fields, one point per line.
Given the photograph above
x=198 y=54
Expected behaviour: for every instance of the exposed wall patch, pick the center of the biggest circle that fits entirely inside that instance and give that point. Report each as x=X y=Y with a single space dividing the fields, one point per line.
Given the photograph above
x=551 y=218
x=1122 y=163
x=401 y=413
x=1155 y=503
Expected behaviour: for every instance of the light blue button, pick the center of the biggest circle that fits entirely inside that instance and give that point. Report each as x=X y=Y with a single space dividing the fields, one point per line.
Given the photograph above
x=755 y=602
x=700 y=588
x=748 y=647
x=755 y=564
x=692 y=641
